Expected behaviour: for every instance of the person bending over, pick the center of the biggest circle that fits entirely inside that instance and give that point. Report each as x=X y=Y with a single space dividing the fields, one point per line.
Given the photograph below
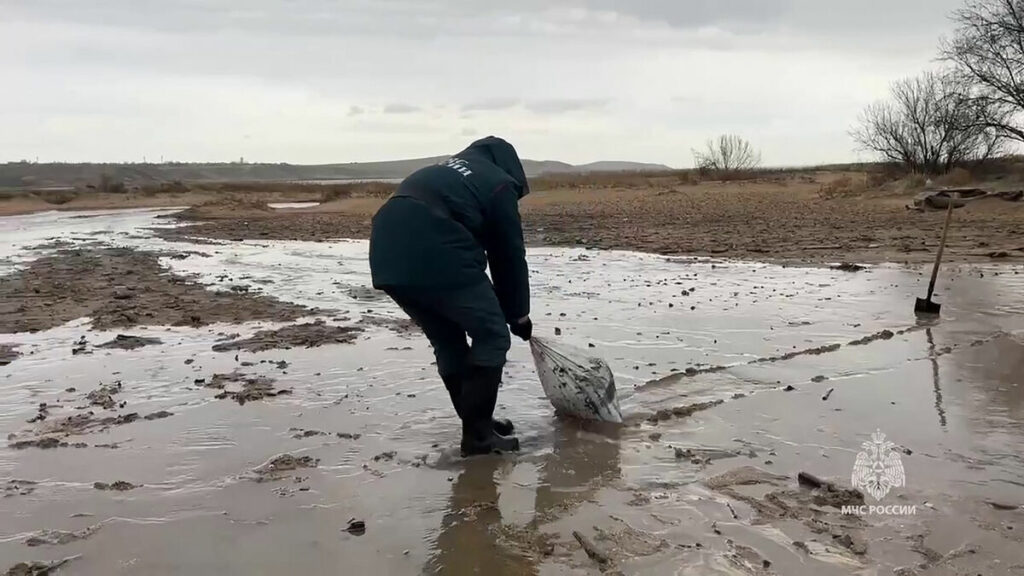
x=430 y=246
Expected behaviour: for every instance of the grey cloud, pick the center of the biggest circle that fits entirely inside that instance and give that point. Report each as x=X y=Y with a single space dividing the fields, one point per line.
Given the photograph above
x=563 y=105
x=445 y=18
x=401 y=109
x=866 y=18
x=491 y=105
x=210 y=63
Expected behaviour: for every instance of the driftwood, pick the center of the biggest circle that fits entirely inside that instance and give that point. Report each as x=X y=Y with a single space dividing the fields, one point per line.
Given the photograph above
x=940 y=199
x=591 y=549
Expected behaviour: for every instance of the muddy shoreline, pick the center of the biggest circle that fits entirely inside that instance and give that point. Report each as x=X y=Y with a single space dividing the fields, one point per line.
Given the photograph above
x=779 y=223
x=121 y=288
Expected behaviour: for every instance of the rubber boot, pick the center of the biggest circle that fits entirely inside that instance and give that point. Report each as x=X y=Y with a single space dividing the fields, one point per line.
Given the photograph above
x=503 y=426
x=479 y=395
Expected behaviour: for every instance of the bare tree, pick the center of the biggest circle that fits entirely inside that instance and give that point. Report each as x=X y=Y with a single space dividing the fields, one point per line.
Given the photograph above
x=727 y=153
x=930 y=124
x=987 y=49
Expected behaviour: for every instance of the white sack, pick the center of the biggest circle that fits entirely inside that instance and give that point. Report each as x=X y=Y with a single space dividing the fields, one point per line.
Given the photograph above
x=576 y=383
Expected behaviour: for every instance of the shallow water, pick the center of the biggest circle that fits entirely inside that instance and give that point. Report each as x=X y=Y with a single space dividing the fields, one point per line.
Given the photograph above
x=950 y=391
x=280 y=205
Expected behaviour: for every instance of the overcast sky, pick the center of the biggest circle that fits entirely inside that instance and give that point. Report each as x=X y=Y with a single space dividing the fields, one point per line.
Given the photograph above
x=319 y=81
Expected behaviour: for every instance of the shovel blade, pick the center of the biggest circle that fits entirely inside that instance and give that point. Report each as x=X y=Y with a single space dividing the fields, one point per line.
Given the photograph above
x=925 y=306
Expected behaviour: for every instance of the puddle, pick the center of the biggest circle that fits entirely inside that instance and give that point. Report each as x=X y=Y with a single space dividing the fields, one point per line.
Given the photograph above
x=287 y=205
x=721 y=341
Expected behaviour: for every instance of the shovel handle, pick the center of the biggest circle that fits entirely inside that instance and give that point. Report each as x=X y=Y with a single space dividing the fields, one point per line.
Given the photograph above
x=942 y=246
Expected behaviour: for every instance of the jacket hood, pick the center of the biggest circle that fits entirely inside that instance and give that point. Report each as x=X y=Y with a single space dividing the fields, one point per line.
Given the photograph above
x=501 y=154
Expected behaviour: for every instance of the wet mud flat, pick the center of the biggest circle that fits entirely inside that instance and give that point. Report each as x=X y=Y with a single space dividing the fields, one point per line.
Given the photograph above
x=118 y=288
x=322 y=440
x=781 y=221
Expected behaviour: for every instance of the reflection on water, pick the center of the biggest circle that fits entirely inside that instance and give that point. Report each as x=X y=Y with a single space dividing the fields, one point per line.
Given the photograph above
x=468 y=538
x=933 y=358
x=584 y=457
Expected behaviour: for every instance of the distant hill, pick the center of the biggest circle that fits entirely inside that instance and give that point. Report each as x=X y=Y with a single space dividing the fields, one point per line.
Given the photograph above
x=27 y=174
x=611 y=166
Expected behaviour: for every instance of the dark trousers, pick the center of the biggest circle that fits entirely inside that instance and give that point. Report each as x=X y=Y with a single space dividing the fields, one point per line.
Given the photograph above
x=448 y=315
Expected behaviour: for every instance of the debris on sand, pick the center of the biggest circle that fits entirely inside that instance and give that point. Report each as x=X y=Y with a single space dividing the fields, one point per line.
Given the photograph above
x=819 y=378
x=158 y=415
x=232 y=202
x=116 y=486
x=1004 y=506
x=933 y=558
x=385 y=456
x=848 y=541
x=19 y=488
x=810 y=480
x=8 y=353
x=848 y=267
x=118 y=288
x=276 y=467
x=703 y=456
x=127 y=342
x=743 y=476
x=830 y=494
x=104 y=396
x=628 y=542
x=400 y=326
x=310 y=335
x=682 y=411
x=81 y=347
x=366 y=294
x=828 y=394
x=252 y=387
x=59 y=537
x=595 y=553
x=818 y=350
x=46 y=443
x=348 y=436
x=53 y=434
x=121 y=419
x=883 y=335
x=748 y=560
x=356 y=527
x=300 y=433
x=640 y=498
x=41 y=414
x=38 y=568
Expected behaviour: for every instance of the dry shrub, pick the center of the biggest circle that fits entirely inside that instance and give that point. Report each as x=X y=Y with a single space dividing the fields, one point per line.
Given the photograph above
x=372 y=189
x=214 y=207
x=688 y=177
x=878 y=179
x=627 y=180
x=58 y=197
x=842 y=186
x=333 y=193
x=956 y=177
x=914 y=183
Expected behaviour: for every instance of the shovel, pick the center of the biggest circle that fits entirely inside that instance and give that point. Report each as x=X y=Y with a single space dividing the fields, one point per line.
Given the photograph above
x=925 y=305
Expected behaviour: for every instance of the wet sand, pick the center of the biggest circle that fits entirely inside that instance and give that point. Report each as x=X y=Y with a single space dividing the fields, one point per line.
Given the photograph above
x=121 y=288
x=760 y=371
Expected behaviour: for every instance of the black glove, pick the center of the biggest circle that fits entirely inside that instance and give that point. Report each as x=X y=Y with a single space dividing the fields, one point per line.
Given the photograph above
x=522 y=328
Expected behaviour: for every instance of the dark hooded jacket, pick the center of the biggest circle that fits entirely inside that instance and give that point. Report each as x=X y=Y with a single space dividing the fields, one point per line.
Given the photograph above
x=447 y=222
